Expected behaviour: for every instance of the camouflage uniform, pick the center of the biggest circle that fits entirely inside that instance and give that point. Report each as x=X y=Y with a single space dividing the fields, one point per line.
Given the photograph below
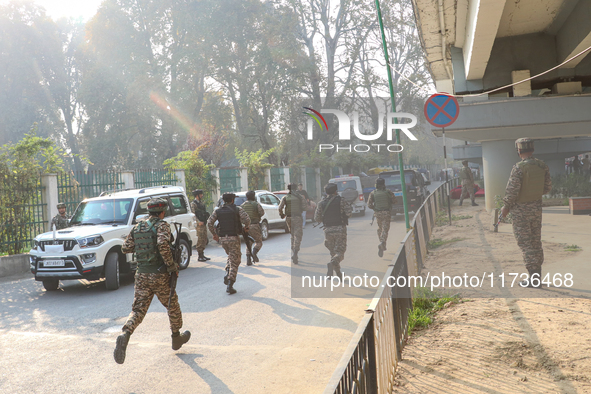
x=231 y=244
x=295 y=223
x=255 y=227
x=527 y=215
x=383 y=216
x=60 y=222
x=200 y=212
x=335 y=237
x=467 y=184
x=148 y=281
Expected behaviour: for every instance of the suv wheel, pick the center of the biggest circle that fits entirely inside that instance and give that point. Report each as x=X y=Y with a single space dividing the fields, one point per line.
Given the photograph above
x=112 y=271
x=51 y=284
x=185 y=258
x=264 y=230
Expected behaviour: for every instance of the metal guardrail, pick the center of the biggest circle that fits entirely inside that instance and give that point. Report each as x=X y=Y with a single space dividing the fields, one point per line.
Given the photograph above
x=370 y=361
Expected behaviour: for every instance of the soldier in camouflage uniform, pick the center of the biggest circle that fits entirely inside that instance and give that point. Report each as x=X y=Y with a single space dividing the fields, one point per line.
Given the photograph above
x=529 y=180
x=200 y=212
x=231 y=220
x=381 y=201
x=292 y=205
x=334 y=213
x=61 y=220
x=255 y=212
x=467 y=183
x=151 y=241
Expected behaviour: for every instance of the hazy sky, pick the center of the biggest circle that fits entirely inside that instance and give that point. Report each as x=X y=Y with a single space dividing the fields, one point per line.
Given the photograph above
x=74 y=8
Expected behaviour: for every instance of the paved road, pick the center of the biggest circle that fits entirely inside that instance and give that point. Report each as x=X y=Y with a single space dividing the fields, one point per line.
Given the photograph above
x=260 y=340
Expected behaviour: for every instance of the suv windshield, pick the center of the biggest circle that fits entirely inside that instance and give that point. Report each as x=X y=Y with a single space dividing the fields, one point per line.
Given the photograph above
x=99 y=212
x=344 y=185
x=394 y=179
x=237 y=201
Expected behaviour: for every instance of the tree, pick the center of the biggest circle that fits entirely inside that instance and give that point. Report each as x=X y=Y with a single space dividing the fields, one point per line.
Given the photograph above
x=197 y=172
x=256 y=165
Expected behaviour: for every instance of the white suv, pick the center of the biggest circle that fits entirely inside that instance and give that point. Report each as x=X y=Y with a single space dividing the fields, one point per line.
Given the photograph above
x=351 y=190
x=91 y=247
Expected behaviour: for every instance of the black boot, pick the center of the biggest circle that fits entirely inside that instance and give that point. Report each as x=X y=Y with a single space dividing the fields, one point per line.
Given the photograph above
x=294 y=257
x=122 y=341
x=474 y=204
x=226 y=276
x=201 y=257
x=255 y=258
x=179 y=339
x=230 y=289
x=460 y=204
x=380 y=250
x=330 y=271
x=337 y=271
x=248 y=260
x=384 y=245
x=204 y=256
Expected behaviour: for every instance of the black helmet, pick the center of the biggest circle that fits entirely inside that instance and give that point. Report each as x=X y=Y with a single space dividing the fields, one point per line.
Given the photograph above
x=292 y=186
x=250 y=195
x=228 y=197
x=197 y=192
x=380 y=182
x=331 y=188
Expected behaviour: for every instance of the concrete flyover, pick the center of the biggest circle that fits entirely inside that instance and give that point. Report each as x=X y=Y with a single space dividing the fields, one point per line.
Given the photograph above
x=476 y=48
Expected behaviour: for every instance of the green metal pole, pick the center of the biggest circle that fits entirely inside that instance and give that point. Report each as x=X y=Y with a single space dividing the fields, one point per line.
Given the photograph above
x=400 y=162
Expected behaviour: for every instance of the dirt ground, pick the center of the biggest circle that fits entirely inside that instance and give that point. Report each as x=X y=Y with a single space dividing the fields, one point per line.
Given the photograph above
x=499 y=340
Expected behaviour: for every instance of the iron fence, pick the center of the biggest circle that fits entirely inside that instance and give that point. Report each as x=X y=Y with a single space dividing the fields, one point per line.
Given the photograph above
x=229 y=180
x=371 y=359
x=73 y=187
x=277 y=179
x=150 y=177
x=21 y=219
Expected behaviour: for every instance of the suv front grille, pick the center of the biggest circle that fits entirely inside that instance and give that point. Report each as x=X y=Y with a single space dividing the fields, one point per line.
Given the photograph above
x=68 y=243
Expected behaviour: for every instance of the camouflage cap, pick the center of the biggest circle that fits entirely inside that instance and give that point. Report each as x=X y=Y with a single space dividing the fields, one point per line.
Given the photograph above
x=61 y=205
x=197 y=192
x=524 y=145
x=157 y=205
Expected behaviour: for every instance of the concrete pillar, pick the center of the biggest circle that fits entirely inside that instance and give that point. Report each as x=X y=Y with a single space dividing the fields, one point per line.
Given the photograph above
x=268 y=178
x=498 y=158
x=318 y=184
x=286 y=177
x=180 y=179
x=303 y=178
x=127 y=177
x=50 y=198
x=216 y=194
x=556 y=166
x=244 y=179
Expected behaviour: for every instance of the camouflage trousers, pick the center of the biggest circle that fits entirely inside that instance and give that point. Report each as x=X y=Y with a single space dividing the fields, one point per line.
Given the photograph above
x=201 y=237
x=231 y=245
x=527 y=228
x=335 y=240
x=146 y=286
x=383 y=218
x=254 y=230
x=295 y=223
x=467 y=189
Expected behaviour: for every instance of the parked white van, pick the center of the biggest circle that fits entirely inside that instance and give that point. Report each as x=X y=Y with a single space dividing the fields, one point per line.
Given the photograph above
x=349 y=187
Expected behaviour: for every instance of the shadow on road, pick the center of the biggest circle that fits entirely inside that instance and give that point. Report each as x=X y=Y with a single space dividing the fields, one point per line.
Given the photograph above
x=216 y=384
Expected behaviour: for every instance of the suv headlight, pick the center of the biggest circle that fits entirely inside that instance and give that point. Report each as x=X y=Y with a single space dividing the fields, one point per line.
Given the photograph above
x=88 y=242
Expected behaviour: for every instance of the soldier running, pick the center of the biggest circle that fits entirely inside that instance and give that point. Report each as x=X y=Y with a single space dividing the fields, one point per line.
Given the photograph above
x=231 y=220
x=467 y=183
x=151 y=239
x=61 y=220
x=255 y=212
x=200 y=211
x=294 y=204
x=334 y=213
x=381 y=201
x=529 y=180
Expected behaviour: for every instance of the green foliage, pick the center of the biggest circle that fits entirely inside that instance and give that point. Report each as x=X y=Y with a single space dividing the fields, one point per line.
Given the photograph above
x=425 y=304
x=571 y=185
x=573 y=248
x=437 y=242
x=20 y=166
x=499 y=204
x=197 y=172
x=256 y=163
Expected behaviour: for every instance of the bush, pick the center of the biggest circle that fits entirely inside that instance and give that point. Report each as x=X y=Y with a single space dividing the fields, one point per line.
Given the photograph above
x=571 y=185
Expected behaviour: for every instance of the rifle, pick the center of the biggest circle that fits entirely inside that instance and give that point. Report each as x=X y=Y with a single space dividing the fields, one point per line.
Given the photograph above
x=248 y=240
x=499 y=222
x=372 y=219
x=176 y=258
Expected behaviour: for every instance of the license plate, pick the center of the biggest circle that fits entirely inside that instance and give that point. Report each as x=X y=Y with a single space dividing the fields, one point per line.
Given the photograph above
x=54 y=263
x=398 y=194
